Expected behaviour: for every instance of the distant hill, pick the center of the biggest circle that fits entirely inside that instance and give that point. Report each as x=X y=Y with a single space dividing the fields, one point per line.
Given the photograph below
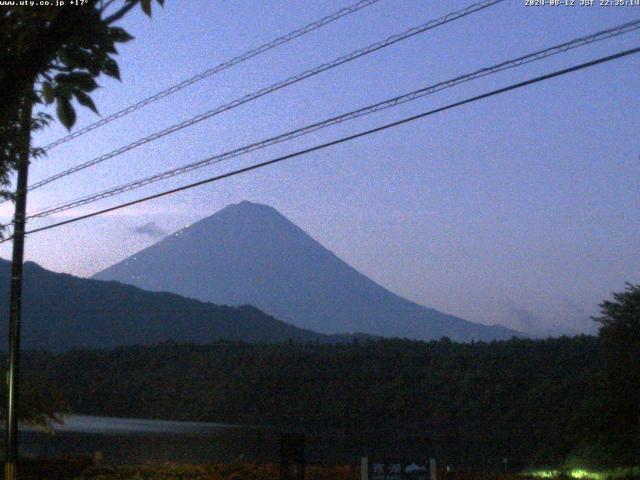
x=61 y=312
x=251 y=254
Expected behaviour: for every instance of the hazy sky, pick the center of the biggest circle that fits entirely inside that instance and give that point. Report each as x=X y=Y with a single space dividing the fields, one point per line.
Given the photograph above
x=522 y=209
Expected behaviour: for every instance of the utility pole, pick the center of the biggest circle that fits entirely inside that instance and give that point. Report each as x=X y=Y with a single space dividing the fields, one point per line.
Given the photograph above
x=13 y=366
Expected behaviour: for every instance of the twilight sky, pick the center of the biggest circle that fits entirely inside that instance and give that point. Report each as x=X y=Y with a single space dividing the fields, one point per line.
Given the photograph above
x=522 y=209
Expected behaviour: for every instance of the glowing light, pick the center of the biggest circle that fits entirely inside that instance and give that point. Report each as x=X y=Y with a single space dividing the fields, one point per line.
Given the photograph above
x=580 y=473
x=545 y=473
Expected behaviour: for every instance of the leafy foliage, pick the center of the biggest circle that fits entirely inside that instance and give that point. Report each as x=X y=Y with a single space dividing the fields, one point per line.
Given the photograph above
x=41 y=403
x=53 y=56
x=47 y=56
x=620 y=335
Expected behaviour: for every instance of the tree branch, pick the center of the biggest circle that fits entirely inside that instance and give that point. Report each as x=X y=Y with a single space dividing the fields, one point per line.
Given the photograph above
x=122 y=12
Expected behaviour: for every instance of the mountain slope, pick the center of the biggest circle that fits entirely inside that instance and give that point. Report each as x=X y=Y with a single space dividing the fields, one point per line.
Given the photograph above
x=251 y=254
x=62 y=311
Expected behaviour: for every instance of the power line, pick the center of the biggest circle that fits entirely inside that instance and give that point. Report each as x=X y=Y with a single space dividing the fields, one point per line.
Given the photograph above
x=476 y=7
x=217 y=69
x=522 y=60
x=344 y=139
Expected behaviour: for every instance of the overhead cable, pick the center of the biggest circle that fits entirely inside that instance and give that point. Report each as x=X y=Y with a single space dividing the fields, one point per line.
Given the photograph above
x=217 y=69
x=476 y=7
x=342 y=140
x=395 y=101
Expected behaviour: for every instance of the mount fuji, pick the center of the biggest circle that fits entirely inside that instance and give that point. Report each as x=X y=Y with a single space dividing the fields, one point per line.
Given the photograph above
x=249 y=253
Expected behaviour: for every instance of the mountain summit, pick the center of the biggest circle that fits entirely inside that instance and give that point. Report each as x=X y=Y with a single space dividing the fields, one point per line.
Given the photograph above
x=249 y=253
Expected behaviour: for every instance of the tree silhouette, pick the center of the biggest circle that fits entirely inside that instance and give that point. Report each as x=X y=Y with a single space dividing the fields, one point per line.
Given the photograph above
x=47 y=56
x=620 y=337
x=53 y=55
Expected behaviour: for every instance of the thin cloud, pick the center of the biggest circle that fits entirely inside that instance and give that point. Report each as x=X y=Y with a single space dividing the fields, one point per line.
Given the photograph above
x=150 y=229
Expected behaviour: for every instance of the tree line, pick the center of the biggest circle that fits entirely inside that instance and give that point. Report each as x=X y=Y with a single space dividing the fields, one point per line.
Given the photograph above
x=533 y=402
x=525 y=400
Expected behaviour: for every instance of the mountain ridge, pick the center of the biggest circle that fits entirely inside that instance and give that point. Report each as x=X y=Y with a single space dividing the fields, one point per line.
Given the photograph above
x=251 y=253
x=62 y=312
